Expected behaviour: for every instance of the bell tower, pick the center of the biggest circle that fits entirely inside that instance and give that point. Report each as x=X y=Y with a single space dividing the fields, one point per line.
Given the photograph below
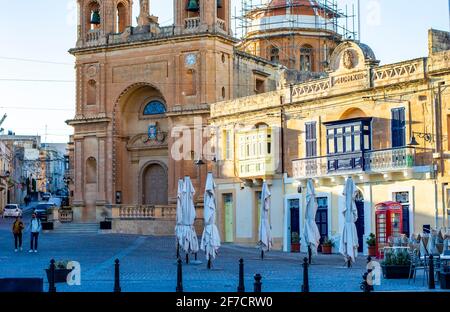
x=99 y=18
x=196 y=16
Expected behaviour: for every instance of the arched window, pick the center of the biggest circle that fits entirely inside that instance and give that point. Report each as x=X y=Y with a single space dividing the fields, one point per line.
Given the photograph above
x=274 y=54
x=93 y=17
x=91 y=96
x=154 y=108
x=306 y=55
x=121 y=17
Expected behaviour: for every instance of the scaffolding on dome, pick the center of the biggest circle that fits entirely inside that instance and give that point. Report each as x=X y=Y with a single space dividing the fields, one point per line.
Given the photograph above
x=261 y=20
x=338 y=21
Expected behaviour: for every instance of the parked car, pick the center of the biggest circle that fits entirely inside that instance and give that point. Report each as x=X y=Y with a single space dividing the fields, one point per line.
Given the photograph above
x=12 y=210
x=41 y=211
x=46 y=196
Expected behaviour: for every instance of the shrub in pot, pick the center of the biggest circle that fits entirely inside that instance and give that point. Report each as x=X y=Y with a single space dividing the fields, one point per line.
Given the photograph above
x=295 y=242
x=371 y=243
x=327 y=246
x=396 y=263
x=61 y=272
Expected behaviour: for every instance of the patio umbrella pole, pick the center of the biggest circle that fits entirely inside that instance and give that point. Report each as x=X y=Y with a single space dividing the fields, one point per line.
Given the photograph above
x=262 y=254
x=187 y=258
x=178 y=250
x=209 y=264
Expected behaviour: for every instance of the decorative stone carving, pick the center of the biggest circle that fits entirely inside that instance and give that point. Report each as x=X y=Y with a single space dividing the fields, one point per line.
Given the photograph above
x=348 y=59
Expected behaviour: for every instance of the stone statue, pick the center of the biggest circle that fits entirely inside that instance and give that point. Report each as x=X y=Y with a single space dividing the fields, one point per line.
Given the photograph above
x=144 y=15
x=145 y=7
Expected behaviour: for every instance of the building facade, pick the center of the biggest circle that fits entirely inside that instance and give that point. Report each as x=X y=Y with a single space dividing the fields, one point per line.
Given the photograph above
x=141 y=90
x=384 y=126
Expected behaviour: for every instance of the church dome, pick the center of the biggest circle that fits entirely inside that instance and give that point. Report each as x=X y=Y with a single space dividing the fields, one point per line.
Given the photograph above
x=305 y=14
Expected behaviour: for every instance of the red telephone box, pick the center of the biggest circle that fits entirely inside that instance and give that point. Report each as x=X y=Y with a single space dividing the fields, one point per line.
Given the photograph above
x=388 y=223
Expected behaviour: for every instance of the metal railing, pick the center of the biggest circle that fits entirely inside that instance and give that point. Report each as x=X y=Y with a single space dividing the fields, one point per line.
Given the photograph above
x=368 y=161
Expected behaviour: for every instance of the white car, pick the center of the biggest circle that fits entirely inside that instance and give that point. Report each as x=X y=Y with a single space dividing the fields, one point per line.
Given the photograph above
x=12 y=210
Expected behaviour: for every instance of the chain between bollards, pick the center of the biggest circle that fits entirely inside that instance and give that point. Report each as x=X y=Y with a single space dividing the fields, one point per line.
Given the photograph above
x=305 y=286
x=257 y=286
x=431 y=283
x=117 y=276
x=51 y=282
x=179 y=276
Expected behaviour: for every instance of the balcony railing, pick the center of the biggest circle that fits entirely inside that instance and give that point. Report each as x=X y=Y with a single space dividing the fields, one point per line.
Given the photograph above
x=143 y=212
x=380 y=161
x=192 y=23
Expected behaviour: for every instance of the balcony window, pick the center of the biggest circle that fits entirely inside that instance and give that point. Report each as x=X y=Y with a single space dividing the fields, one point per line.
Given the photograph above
x=311 y=139
x=398 y=127
x=346 y=136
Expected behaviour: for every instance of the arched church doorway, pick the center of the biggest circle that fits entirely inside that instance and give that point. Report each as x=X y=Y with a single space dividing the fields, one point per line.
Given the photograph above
x=154 y=185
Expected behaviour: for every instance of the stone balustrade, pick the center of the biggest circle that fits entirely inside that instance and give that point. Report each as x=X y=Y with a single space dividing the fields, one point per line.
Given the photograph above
x=143 y=212
x=192 y=23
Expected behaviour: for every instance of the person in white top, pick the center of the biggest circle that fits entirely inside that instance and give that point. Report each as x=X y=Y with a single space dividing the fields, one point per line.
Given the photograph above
x=35 y=227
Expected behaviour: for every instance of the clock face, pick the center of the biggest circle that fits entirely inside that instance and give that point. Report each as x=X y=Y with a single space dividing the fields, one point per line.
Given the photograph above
x=191 y=59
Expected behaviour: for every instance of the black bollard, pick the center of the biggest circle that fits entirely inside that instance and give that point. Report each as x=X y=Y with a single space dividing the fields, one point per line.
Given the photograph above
x=257 y=285
x=51 y=282
x=179 y=276
x=431 y=283
x=305 y=286
x=117 y=276
x=309 y=254
x=241 y=287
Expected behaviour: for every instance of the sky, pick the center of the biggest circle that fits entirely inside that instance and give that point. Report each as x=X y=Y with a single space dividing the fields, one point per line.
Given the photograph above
x=37 y=81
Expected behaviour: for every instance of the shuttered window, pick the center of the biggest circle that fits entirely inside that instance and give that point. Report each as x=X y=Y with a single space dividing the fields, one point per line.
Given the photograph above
x=398 y=127
x=311 y=139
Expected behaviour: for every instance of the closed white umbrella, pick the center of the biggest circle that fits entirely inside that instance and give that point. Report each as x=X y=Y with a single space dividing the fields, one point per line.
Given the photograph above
x=349 y=238
x=265 y=237
x=311 y=232
x=210 y=242
x=179 y=225
x=189 y=241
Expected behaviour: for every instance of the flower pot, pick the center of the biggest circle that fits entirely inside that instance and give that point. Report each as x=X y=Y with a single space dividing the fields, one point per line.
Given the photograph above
x=327 y=250
x=105 y=225
x=60 y=275
x=372 y=251
x=444 y=280
x=295 y=247
x=395 y=271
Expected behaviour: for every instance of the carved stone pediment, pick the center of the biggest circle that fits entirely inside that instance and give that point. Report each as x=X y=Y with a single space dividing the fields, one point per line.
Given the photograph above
x=143 y=142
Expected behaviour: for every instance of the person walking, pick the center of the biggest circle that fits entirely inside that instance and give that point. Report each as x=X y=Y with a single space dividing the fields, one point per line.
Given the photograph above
x=17 y=229
x=35 y=228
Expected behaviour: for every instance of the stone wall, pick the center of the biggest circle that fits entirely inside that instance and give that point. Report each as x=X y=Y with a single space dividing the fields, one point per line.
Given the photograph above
x=151 y=227
x=438 y=41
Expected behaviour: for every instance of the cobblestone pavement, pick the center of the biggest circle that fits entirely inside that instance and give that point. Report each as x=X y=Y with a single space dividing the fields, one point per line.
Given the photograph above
x=148 y=264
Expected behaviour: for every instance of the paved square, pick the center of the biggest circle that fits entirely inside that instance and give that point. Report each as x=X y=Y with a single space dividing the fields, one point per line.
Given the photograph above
x=148 y=264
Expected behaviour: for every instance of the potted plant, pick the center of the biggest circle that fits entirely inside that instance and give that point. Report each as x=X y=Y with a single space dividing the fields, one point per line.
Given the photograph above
x=371 y=243
x=295 y=242
x=327 y=246
x=61 y=272
x=106 y=224
x=396 y=263
x=444 y=277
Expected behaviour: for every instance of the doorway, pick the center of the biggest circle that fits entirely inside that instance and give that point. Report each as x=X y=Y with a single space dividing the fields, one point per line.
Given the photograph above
x=155 y=185
x=360 y=224
x=294 y=224
x=322 y=219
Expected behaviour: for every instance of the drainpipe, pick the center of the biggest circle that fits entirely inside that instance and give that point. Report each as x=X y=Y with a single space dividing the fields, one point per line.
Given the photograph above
x=436 y=208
